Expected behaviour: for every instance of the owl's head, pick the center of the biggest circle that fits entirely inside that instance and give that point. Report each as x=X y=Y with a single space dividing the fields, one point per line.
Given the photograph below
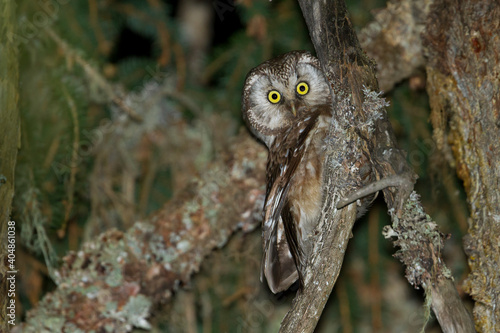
x=282 y=91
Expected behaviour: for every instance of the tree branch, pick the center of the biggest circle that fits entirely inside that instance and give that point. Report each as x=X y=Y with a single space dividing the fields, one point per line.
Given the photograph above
x=114 y=282
x=393 y=40
x=360 y=128
x=463 y=83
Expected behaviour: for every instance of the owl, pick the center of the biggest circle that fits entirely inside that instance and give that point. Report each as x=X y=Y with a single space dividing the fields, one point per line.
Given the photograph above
x=287 y=104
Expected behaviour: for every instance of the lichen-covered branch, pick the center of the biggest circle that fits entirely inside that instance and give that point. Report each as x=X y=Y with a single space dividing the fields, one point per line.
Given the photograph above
x=368 y=134
x=393 y=40
x=463 y=77
x=114 y=282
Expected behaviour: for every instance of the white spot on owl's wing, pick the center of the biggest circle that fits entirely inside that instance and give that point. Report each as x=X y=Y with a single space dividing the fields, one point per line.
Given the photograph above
x=283 y=169
x=310 y=167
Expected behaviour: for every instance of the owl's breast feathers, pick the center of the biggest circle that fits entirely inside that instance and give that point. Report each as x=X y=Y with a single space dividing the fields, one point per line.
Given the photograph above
x=293 y=199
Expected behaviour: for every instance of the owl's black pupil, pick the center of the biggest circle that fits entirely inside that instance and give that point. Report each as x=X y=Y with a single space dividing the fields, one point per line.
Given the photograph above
x=302 y=88
x=274 y=96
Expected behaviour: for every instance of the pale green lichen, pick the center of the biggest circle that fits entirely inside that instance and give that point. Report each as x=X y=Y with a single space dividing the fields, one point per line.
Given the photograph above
x=136 y=311
x=427 y=308
x=184 y=246
x=417 y=236
x=45 y=324
x=70 y=327
x=114 y=278
x=111 y=306
x=161 y=252
x=134 y=243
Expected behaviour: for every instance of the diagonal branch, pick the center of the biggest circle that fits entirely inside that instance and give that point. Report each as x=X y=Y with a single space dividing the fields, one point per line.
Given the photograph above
x=116 y=280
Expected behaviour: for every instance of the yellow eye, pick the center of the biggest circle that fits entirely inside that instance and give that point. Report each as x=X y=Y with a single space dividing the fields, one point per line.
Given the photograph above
x=274 y=96
x=302 y=88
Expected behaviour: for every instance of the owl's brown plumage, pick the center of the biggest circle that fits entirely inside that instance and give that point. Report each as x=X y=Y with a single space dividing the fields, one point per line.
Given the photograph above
x=287 y=104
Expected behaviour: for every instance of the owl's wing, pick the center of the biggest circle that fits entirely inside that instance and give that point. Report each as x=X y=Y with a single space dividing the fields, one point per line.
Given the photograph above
x=282 y=254
x=278 y=264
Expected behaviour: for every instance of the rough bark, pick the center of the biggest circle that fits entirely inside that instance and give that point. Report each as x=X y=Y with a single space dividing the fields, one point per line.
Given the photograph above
x=463 y=71
x=393 y=40
x=115 y=281
x=9 y=137
x=362 y=122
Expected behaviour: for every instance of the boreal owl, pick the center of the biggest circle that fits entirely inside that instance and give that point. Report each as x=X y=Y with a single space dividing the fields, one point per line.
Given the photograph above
x=287 y=104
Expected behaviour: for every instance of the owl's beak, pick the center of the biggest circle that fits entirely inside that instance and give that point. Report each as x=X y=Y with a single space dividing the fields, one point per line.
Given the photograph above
x=293 y=109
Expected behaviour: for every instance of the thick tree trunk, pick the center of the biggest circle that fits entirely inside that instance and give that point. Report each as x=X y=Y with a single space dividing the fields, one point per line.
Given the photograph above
x=463 y=76
x=9 y=141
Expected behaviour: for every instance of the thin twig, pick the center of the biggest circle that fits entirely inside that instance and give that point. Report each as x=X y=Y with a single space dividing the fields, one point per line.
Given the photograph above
x=391 y=181
x=344 y=307
x=373 y=259
x=74 y=163
x=94 y=75
x=163 y=33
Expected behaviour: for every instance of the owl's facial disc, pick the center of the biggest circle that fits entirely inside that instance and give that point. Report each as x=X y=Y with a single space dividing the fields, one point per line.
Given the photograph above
x=314 y=84
x=266 y=105
x=281 y=92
